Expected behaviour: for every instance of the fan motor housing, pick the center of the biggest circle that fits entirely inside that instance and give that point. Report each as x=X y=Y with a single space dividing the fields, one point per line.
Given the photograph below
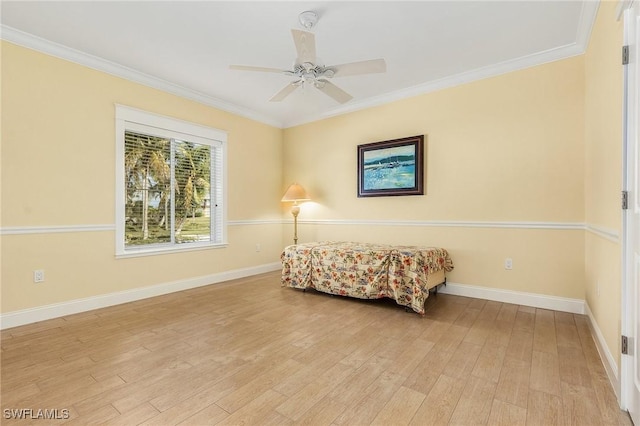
x=308 y=19
x=308 y=71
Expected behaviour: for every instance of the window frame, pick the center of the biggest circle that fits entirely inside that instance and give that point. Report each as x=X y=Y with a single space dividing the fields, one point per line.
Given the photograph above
x=132 y=119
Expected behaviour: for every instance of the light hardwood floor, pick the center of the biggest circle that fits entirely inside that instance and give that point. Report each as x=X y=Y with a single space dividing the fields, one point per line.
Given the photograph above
x=251 y=352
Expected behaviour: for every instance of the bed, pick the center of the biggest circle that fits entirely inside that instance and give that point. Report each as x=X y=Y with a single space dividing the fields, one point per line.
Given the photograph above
x=367 y=271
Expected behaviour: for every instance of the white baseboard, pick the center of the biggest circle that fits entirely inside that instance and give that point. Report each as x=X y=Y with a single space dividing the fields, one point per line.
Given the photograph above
x=606 y=356
x=41 y=313
x=563 y=304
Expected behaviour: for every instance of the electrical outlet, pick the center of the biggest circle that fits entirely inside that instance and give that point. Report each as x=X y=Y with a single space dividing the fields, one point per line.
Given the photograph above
x=258 y=247
x=508 y=263
x=38 y=276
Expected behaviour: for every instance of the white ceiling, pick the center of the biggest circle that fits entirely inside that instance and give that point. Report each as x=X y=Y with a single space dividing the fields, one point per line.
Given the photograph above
x=186 y=47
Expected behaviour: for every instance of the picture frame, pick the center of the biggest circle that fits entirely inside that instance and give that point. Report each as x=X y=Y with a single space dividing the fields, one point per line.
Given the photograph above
x=391 y=168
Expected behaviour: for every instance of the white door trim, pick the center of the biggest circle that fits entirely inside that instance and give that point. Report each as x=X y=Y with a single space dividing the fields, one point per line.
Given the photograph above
x=630 y=126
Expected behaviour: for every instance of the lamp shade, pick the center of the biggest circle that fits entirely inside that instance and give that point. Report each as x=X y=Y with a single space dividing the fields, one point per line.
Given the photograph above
x=294 y=193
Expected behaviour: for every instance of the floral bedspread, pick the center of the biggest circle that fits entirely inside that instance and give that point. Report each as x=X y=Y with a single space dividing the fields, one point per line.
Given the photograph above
x=365 y=271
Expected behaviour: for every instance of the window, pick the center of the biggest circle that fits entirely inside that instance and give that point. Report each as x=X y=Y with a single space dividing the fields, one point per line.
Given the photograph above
x=170 y=184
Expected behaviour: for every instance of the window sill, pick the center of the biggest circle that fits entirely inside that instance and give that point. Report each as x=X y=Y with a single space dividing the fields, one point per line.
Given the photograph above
x=140 y=252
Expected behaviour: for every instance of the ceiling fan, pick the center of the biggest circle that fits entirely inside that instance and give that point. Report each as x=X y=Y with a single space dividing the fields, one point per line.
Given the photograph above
x=308 y=71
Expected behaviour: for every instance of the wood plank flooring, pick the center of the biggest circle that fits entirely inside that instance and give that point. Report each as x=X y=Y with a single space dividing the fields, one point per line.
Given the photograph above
x=251 y=352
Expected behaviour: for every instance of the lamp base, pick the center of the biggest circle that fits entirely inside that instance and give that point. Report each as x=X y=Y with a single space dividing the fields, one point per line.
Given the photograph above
x=294 y=211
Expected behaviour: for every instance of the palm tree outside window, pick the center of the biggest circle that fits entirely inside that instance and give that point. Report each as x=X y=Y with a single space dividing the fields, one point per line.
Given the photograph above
x=172 y=185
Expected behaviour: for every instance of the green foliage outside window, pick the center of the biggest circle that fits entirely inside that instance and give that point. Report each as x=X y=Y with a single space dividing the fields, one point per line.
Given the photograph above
x=159 y=209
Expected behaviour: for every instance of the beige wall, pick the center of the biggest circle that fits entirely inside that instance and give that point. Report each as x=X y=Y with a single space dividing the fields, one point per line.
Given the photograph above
x=58 y=167
x=537 y=146
x=508 y=149
x=603 y=172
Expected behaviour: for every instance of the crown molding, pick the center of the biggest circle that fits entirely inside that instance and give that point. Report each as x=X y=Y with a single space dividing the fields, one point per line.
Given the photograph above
x=583 y=33
x=535 y=59
x=621 y=7
x=585 y=25
x=42 y=45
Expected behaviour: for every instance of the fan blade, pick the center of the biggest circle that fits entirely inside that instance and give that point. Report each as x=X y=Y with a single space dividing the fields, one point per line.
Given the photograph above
x=357 y=68
x=286 y=91
x=261 y=69
x=333 y=91
x=305 y=46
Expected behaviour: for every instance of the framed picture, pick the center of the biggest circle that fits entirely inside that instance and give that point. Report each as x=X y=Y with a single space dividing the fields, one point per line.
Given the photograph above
x=393 y=167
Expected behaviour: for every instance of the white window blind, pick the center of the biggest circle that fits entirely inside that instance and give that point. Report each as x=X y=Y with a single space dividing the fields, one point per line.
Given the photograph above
x=171 y=179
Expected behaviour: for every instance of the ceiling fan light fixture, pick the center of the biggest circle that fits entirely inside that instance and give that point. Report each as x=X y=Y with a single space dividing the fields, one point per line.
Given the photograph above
x=328 y=72
x=308 y=69
x=308 y=19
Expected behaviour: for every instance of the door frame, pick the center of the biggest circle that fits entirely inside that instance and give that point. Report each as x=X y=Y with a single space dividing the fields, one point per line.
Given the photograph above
x=630 y=126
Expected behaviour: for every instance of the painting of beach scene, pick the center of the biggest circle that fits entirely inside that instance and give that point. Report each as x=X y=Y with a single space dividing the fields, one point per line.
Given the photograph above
x=390 y=167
